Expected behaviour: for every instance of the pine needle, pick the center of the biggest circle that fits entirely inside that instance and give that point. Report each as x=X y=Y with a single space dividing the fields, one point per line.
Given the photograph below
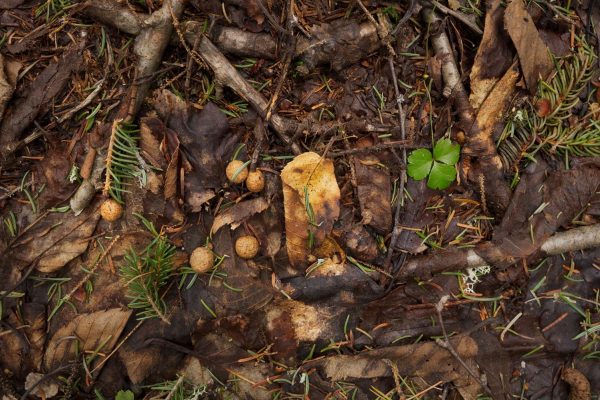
x=146 y=274
x=121 y=159
x=557 y=129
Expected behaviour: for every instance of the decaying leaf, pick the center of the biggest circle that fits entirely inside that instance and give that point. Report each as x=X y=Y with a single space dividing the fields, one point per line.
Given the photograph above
x=45 y=389
x=494 y=54
x=534 y=56
x=57 y=240
x=237 y=213
x=150 y=134
x=290 y=323
x=204 y=139
x=311 y=203
x=427 y=358
x=98 y=331
x=374 y=193
x=47 y=84
x=6 y=86
x=246 y=291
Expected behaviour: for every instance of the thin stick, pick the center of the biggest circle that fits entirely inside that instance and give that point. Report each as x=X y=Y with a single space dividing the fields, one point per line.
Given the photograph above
x=118 y=346
x=448 y=346
x=175 y=387
x=404 y=144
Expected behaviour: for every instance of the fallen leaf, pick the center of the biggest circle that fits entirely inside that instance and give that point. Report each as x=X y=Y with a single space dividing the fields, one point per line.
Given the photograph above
x=41 y=91
x=309 y=187
x=237 y=213
x=533 y=53
x=374 y=193
x=98 y=331
x=151 y=132
x=494 y=55
x=46 y=389
x=9 y=4
x=57 y=239
x=6 y=86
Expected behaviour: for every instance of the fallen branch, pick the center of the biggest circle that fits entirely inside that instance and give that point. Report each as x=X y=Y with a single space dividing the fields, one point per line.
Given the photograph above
x=459 y=259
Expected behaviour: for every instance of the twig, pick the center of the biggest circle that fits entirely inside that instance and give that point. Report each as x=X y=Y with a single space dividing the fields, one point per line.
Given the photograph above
x=91 y=271
x=458 y=15
x=443 y=51
x=118 y=346
x=175 y=387
x=227 y=75
x=44 y=378
x=84 y=103
x=448 y=346
x=404 y=144
x=562 y=242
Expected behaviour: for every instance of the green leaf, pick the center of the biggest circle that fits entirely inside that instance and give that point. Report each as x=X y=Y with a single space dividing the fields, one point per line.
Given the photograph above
x=441 y=176
x=419 y=164
x=124 y=395
x=446 y=152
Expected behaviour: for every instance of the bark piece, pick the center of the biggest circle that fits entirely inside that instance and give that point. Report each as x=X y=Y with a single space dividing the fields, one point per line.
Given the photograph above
x=42 y=90
x=533 y=54
x=374 y=193
x=98 y=331
x=494 y=54
x=45 y=389
x=308 y=177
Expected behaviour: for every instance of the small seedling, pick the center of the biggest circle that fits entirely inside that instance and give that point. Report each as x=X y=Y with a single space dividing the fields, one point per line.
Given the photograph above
x=439 y=167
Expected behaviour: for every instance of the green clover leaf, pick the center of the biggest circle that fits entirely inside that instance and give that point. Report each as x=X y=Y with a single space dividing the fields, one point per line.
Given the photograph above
x=439 y=166
x=419 y=164
x=441 y=176
x=124 y=395
x=446 y=152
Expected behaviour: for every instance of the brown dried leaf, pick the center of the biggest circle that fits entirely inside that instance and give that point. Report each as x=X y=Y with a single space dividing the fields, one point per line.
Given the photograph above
x=151 y=129
x=57 y=240
x=426 y=359
x=42 y=90
x=533 y=53
x=236 y=214
x=311 y=173
x=6 y=86
x=494 y=54
x=374 y=193
x=97 y=331
x=172 y=174
x=34 y=318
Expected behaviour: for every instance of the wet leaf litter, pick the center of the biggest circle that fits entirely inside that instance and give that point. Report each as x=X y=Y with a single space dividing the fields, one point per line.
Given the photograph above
x=293 y=199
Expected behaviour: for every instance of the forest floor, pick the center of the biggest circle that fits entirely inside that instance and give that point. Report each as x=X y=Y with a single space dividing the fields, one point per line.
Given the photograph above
x=299 y=199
